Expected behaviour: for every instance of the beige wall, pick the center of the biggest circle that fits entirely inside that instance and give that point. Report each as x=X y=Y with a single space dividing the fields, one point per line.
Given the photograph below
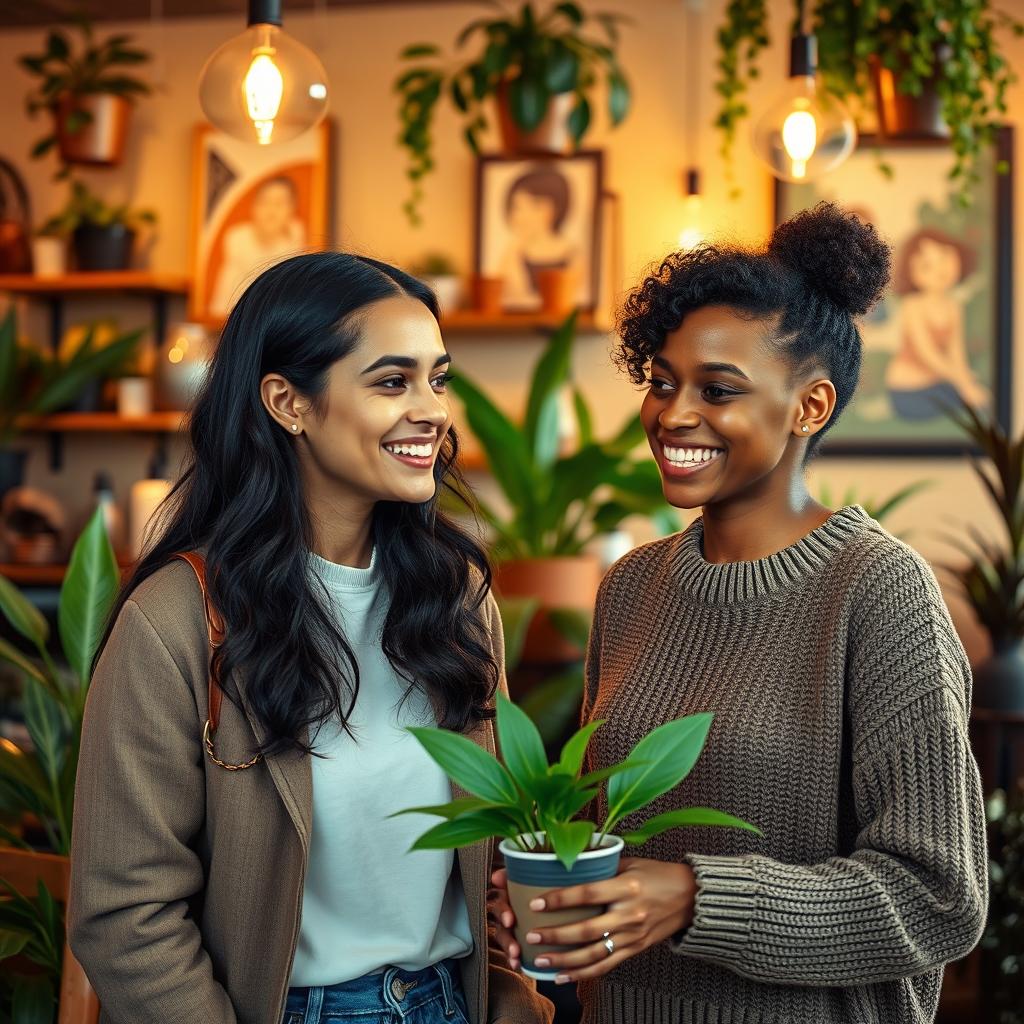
x=645 y=160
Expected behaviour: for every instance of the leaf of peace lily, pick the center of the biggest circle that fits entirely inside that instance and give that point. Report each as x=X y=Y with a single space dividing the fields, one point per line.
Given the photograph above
x=450 y=810
x=522 y=749
x=681 y=818
x=466 y=830
x=12 y=942
x=669 y=752
x=593 y=778
x=467 y=764
x=554 y=790
x=569 y=839
x=22 y=614
x=571 y=758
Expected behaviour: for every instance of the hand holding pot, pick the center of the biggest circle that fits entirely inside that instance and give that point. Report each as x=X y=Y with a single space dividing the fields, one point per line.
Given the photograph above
x=500 y=911
x=647 y=902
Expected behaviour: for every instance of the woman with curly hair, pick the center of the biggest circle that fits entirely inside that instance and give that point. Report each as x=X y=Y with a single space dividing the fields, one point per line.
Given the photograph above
x=822 y=646
x=236 y=855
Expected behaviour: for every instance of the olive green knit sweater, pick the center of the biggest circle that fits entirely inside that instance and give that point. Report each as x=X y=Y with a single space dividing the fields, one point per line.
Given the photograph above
x=841 y=697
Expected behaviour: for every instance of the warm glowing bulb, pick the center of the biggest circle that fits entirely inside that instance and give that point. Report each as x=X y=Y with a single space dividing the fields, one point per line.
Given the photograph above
x=264 y=87
x=692 y=235
x=800 y=137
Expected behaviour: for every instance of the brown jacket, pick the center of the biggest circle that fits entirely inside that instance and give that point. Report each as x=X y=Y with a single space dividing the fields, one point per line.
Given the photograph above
x=187 y=879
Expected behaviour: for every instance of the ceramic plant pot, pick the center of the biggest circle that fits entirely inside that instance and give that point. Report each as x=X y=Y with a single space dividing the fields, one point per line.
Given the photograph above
x=532 y=874
x=100 y=141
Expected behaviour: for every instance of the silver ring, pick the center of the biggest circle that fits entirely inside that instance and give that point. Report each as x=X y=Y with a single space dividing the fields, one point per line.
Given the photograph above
x=609 y=943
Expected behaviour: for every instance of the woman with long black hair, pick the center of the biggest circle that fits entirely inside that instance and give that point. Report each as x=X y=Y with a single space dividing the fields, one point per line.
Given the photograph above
x=237 y=859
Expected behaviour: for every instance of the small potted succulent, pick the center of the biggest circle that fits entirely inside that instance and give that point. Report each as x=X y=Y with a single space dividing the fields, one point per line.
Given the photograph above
x=438 y=273
x=102 y=236
x=533 y=806
x=88 y=93
x=540 y=68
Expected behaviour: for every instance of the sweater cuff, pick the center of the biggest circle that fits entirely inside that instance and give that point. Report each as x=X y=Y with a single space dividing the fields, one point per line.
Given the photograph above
x=724 y=905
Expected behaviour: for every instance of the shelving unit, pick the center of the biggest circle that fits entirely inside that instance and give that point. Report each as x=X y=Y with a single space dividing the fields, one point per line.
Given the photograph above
x=105 y=423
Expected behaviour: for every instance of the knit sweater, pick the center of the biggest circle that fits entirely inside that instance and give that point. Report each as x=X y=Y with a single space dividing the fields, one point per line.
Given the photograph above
x=840 y=694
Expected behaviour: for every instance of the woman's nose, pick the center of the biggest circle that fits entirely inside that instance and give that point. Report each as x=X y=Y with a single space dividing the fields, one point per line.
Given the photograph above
x=679 y=415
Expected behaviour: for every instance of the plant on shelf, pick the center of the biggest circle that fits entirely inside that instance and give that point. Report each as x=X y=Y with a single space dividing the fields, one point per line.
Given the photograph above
x=534 y=806
x=878 y=508
x=37 y=780
x=34 y=383
x=942 y=45
x=531 y=63
x=81 y=87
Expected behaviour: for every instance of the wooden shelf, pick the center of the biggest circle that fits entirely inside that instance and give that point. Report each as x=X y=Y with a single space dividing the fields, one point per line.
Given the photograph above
x=138 y=281
x=26 y=575
x=106 y=423
x=468 y=321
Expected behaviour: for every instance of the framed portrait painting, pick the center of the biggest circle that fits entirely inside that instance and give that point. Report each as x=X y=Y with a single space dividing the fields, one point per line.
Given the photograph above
x=942 y=333
x=535 y=214
x=252 y=206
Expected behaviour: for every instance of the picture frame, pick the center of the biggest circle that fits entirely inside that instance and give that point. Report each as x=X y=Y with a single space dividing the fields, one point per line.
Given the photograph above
x=537 y=213
x=944 y=328
x=252 y=206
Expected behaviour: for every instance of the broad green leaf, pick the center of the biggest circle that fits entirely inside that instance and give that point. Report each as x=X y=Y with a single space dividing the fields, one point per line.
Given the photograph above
x=516 y=615
x=569 y=839
x=468 y=764
x=90 y=587
x=11 y=654
x=562 y=71
x=583 y=417
x=12 y=942
x=670 y=751
x=593 y=778
x=528 y=102
x=573 y=624
x=450 y=810
x=34 y=1000
x=45 y=724
x=522 y=749
x=549 y=377
x=419 y=50
x=630 y=436
x=466 y=830
x=575 y=749
x=554 y=705
x=23 y=768
x=22 y=614
x=618 y=98
x=682 y=818
x=579 y=119
x=571 y=11
x=13 y=839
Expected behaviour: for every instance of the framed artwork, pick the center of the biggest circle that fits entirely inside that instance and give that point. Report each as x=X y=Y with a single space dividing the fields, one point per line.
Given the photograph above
x=252 y=206
x=943 y=330
x=539 y=213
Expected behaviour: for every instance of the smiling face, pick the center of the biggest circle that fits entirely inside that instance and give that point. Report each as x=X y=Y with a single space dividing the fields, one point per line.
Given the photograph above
x=385 y=410
x=721 y=410
x=934 y=267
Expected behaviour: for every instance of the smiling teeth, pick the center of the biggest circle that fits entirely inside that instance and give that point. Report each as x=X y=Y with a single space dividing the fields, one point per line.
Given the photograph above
x=691 y=456
x=421 y=451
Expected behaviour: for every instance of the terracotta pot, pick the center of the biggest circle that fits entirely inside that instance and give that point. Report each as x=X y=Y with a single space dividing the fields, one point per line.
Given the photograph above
x=552 y=135
x=558 y=290
x=15 y=252
x=100 y=141
x=907 y=117
x=487 y=294
x=999 y=681
x=566 y=582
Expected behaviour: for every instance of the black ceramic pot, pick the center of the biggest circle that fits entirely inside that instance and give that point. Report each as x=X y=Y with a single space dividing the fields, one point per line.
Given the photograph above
x=999 y=681
x=102 y=248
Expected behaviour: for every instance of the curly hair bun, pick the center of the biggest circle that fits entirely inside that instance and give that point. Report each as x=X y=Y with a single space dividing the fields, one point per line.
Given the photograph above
x=837 y=254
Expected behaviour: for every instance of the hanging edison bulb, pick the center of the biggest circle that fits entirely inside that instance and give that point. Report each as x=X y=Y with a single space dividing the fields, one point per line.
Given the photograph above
x=806 y=131
x=693 y=213
x=263 y=86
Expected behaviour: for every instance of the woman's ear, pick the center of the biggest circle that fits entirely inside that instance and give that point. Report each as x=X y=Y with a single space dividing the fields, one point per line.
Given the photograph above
x=817 y=403
x=283 y=402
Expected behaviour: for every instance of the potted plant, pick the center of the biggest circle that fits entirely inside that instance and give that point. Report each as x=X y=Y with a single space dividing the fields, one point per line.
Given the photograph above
x=992 y=580
x=557 y=504
x=438 y=273
x=34 y=383
x=87 y=91
x=37 y=780
x=540 y=69
x=931 y=70
x=533 y=806
x=102 y=236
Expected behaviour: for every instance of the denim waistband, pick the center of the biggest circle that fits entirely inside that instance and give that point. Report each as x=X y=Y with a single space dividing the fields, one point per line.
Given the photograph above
x=391 y=991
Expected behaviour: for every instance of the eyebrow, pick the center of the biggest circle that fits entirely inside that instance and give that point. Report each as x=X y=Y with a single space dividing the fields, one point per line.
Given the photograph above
x=730 y=368
x=404 y=363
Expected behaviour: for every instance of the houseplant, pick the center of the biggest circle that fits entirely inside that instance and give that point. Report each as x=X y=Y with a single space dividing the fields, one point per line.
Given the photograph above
x=87 y=91
x=992 y=580
x=102 y=236
x=533 y=805
x=39 y=780
x=941 y=53
x=540 y=68
x=438 y=273
x=557 y=504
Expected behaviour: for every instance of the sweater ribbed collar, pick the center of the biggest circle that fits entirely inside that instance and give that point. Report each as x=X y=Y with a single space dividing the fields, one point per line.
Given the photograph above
x=346 y=577
x=733 y=582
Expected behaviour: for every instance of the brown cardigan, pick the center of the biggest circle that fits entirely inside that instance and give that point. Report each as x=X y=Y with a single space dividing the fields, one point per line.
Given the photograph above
x=186 y=879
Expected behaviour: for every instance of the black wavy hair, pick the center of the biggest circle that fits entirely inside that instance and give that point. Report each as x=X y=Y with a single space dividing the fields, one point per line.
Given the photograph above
x=240 y=499
x=819 y=270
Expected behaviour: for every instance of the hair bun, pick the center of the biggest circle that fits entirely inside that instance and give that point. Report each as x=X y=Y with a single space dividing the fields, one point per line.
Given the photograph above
x=837 y=254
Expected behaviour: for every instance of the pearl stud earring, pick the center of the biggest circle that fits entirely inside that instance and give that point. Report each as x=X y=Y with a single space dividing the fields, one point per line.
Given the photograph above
x=295 y=427
x=805 y=428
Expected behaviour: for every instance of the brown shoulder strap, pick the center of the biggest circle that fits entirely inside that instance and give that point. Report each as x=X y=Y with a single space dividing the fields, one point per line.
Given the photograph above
x=215 y=630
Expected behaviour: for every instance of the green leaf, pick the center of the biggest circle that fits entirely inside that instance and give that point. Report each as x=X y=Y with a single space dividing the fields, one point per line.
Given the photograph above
x=516 y=615
x=45 y=723
x=670 y=752
x=562 y=70
x=528 y=102
x=573 y=624
x=12 y=942
x=466 y=830
x=569 y=839
x=87 y=595
x=43 y=146
x=593 y=778
x=24 y=769
x=521 y=747
x=419 y=50
x=618 y=98
x=23 y=615
x=571 y=11
x=554 y=704
x=450 y=810
x=57 y=46
x=579 y=119
x=34 y=1000
x=583 y=417
x=683 y=818
x=468 y=764
x=10 y=654
x=549 y=377
x=575 y=749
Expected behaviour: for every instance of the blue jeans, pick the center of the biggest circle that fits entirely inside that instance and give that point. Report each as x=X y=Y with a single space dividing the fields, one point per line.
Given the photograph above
x=431 y=996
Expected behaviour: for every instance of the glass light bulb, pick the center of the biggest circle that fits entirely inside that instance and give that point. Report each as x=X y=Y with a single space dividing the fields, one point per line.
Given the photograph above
x=804 y=133
x=692 y=234
x=263 y=86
